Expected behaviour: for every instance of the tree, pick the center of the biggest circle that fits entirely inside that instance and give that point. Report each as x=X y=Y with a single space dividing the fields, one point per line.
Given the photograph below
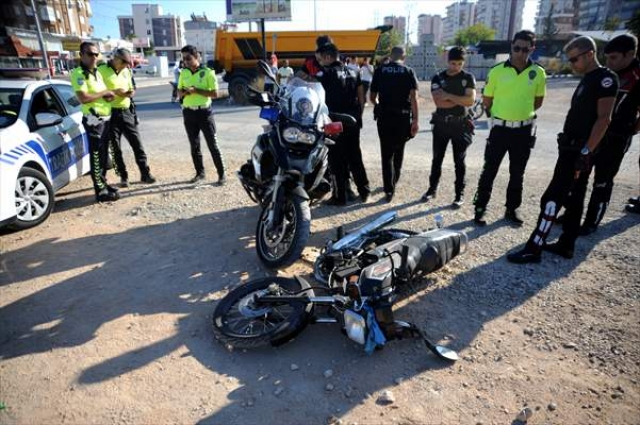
x=633 y=24
x=131 y=37
x=388 y=40
x=473 y=35
x=549 y=28
x=612 y=23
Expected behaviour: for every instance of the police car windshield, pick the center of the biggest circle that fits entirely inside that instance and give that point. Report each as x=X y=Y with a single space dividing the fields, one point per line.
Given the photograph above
x=10 y=101
x=303 y=102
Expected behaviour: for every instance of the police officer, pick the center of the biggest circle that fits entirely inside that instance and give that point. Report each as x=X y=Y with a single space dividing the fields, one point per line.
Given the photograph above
x=197 y=85
x=621 y=58
x=117 y=77
x=344 y=94
x=515 y=89
x=95 y=98
x=586 y=123
x=453 y=91
x=393 y=93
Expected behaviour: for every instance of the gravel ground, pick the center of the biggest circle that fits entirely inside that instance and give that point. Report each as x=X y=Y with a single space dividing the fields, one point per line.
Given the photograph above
x=105 y=309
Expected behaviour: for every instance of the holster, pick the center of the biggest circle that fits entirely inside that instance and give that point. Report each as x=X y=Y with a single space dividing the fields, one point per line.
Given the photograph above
x=568 y=143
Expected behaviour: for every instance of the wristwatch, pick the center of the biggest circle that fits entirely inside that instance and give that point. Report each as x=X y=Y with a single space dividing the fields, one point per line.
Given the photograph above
x=585 y=151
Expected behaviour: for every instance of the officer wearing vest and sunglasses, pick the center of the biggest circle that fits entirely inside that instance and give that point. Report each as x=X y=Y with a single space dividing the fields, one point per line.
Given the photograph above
x=197 y=85
x=513 y=92
x=95 y=98
x=117 y=76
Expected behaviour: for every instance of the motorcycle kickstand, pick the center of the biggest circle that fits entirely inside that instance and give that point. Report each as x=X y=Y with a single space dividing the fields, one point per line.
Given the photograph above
x=411 y=330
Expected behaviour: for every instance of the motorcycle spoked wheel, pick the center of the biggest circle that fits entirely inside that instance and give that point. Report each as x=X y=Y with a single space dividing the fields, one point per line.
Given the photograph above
x=283 y=245
x=322 y=269
x=240 y=322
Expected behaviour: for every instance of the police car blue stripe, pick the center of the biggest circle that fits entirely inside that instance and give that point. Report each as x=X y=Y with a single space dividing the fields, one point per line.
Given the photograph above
x=40 y=152
x=11 y=156
x=22 y=149
x=5 y=161
x=15 y=151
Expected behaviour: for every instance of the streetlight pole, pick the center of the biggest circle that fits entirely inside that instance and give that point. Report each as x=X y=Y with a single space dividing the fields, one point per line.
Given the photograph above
x=40 y=39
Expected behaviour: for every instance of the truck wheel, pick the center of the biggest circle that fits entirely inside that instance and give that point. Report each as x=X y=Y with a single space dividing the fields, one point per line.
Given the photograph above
x=237 y=88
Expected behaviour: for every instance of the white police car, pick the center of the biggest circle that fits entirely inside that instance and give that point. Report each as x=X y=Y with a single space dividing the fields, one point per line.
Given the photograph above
x=43 y=147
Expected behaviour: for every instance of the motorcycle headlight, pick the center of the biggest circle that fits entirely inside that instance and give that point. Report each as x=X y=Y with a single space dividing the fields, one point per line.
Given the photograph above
x=295 y=135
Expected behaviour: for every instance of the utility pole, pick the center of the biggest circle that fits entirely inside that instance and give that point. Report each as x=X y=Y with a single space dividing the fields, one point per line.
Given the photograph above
x=40 y=39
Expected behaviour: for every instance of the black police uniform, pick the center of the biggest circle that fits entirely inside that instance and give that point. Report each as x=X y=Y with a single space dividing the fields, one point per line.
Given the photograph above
x=614 y=145
x=393 y=83
x=341 y=86
x=123 y=122
x=597 y=84
x=451 y=124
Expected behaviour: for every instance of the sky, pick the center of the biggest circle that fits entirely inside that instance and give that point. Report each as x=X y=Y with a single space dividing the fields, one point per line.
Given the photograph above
x=329 y=14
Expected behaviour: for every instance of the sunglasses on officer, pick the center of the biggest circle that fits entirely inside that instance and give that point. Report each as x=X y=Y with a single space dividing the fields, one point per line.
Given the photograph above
x=576 y=57
x=94 y=54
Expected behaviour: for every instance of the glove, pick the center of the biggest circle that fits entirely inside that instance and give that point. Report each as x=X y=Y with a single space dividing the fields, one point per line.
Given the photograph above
x=583 y=162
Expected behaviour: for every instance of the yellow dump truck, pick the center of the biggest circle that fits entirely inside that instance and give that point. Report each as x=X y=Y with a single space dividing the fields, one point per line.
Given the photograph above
x=237 y=53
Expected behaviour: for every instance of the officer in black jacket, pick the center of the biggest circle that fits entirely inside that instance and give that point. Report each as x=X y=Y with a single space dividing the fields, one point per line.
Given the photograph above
x=393 y=93
x=453 y=91
x=586 y=123
x=344 y=94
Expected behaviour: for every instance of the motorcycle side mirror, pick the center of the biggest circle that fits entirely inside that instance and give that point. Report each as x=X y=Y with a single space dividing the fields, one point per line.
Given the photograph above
x=265 y=70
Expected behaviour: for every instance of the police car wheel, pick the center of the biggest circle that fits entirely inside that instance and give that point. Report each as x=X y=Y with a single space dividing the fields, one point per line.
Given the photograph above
x=34 y=199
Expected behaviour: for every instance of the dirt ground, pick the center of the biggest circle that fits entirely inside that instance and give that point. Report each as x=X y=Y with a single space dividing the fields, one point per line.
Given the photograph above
x=105 y=310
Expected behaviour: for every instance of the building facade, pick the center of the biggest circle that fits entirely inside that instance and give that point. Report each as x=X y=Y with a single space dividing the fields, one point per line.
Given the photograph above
x=504 y=16
x=58 y=17
x=430 y=24
x=556 y=17
x=399 y=24
x=460 y=15
x=147 y=22
x=201 y=32
x=595 y=15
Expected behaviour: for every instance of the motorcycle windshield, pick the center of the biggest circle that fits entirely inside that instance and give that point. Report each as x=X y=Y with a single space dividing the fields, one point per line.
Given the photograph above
x=303 y=102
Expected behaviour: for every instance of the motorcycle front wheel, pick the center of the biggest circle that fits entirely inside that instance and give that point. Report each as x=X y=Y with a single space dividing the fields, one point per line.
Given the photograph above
x=241 y=321
x=281 y=245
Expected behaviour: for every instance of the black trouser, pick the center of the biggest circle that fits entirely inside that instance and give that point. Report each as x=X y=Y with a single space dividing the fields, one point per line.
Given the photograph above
x=394 y=131
x=346 y=156
x=196 y=120
x=123 y=122
x=460 y=141
x=98 y=150
x=502 y=140
x=563 y=190
x=606 y=164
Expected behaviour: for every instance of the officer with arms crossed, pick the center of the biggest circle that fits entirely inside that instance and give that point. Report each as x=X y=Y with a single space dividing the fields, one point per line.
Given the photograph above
x=586 y=123
x=117 y=76
x=453 y=91
x=344 y=94
x=514 y=91
x=197 y=85
x=92 y=92
x=621 y=58
x=394 y=96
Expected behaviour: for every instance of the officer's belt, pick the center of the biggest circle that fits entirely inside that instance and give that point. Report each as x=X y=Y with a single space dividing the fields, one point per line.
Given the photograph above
x=511 y=124
x=395 y=112
x=448 y=117
x=196 y=108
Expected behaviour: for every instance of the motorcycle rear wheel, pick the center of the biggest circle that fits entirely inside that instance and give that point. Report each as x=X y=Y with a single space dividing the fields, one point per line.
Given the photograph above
x=282 y=246
x=240 y=322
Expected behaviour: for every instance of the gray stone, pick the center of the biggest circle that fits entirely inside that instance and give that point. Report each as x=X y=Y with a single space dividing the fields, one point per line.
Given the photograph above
x=552 y=406
x=329 y=387
x=278 y=391
x=328 y=373
x=294 y=366
x=524 y=415
x=386 y=397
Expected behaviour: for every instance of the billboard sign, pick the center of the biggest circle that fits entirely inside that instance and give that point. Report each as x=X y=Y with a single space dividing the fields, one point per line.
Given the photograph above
x=141 y=42
x=251 y=10
x=71 y=44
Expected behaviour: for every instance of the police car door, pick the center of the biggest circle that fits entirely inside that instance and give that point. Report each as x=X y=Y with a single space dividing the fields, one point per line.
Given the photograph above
x=53 y=138
x=79 y=142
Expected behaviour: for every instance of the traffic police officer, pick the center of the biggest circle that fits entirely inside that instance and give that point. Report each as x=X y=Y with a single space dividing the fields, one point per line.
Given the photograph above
x=117 y=76
x=393 y=93
x=453 y=91
x=197 y=85
x=344 y=94
x=586 y=123
x=515 y=89
x=95 y=98
x=621 y=58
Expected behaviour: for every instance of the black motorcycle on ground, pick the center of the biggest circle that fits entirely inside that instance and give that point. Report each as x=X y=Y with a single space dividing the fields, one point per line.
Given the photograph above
x=359 y=295
x=288 y=164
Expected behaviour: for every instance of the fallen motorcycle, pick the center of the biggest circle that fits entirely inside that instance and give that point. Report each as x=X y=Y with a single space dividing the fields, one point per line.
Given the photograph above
x=359 y=295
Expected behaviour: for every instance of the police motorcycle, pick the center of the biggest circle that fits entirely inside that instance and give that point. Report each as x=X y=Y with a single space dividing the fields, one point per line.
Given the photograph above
x=358 y=296
x=288 y=162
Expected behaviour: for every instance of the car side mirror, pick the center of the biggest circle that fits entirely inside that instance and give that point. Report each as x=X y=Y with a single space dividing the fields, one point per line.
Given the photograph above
x=47 y=119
